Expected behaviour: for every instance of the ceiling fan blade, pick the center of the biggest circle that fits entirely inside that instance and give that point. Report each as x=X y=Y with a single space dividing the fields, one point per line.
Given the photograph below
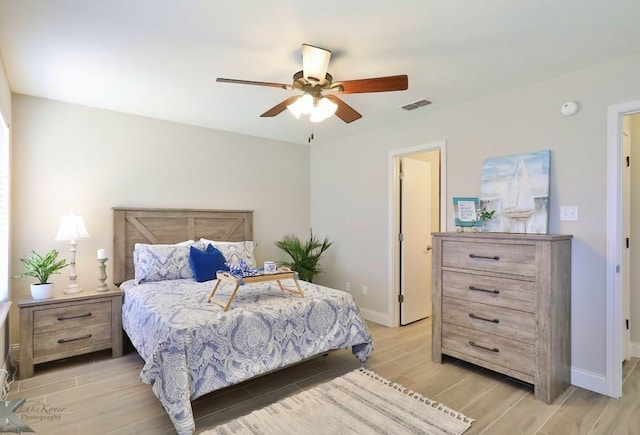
x=280 y=107
x=315 y=62
x=345 y=112
x=378 y=84
x=249 y=82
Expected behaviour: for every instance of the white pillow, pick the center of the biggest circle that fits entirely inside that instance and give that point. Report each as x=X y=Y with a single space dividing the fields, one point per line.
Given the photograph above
x=234 y=251
x=161 y=262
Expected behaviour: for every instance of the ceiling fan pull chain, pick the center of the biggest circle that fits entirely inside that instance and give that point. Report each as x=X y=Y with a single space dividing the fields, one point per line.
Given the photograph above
x=310 y=132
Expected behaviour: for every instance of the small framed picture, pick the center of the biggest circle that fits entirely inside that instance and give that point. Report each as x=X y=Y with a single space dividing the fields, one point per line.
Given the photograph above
x=466 y=211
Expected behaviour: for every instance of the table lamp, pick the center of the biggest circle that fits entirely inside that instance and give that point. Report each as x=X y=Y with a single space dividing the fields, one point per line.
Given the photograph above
x=72 y=228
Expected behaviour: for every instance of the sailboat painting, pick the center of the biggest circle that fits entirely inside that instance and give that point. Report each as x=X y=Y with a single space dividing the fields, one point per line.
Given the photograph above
x=517 y=187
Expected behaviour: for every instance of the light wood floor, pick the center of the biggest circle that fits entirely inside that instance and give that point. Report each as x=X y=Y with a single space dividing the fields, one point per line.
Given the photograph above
x=99 y=395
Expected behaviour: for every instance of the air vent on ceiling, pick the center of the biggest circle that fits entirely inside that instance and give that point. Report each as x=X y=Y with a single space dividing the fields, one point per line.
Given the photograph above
x=417 y=104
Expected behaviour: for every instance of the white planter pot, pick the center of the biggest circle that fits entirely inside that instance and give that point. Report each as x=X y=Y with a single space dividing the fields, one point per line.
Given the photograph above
x=42 y=291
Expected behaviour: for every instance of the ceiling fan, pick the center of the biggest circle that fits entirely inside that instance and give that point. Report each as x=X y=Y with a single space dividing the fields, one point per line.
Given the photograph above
x=318 y=99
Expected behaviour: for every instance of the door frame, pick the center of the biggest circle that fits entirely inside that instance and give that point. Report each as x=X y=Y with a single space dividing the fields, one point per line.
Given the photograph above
x=393 y=311
x=613 y=298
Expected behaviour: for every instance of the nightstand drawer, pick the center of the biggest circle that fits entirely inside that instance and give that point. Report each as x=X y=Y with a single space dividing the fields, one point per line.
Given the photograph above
x=56 y=342
x=71 y=316
x=514 y=259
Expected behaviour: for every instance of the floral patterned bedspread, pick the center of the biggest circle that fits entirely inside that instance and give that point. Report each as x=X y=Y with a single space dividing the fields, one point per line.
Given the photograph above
x=192 y=347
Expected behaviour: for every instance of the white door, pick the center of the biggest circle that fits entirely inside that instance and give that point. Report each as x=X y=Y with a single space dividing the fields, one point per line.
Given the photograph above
x=415 y=245
x=626 y=232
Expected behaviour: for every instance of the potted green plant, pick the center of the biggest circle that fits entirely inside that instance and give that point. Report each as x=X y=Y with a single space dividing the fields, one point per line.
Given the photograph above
x=485 y=216
x=305 y=256
x=41 y=267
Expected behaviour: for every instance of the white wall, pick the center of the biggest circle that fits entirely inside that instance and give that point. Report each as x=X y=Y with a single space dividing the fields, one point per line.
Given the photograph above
x=349 y=182
x=5 y=109
x=5 y=94
x=69 y=157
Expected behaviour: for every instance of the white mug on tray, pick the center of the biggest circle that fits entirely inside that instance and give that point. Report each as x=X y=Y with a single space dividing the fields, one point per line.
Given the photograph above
x=269 y=267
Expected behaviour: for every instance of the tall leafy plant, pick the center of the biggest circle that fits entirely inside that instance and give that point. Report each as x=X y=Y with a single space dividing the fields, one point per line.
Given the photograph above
x=305 y=256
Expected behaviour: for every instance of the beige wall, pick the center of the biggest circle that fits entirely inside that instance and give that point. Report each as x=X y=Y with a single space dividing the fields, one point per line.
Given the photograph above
x=68 y=157
x=350 y=177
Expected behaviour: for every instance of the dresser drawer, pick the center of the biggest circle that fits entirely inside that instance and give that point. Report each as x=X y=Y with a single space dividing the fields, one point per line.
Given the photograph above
x=502 y=292
x=71 y=316
x=65 y=340
x=510 y=354
x=511 y=324
x=514 y=259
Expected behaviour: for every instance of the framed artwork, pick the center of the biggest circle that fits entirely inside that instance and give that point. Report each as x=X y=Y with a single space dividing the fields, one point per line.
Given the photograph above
x=517 y=188
x=465 y=210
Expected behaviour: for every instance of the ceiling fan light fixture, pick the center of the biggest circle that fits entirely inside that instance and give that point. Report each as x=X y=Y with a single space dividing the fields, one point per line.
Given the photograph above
x=323 y=110
x=302 y=106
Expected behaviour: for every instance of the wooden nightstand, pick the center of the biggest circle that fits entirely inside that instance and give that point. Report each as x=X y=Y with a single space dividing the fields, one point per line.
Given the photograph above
x=69 y=325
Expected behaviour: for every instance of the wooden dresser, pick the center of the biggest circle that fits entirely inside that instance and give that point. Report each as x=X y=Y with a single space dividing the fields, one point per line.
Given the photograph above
x=69 y=325
x=503 y=302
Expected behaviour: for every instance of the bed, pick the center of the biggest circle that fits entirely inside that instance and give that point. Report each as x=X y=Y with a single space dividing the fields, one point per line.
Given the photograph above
x=191 y=347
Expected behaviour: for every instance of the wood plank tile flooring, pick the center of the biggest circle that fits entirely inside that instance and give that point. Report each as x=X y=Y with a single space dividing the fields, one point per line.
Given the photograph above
x=95 y=394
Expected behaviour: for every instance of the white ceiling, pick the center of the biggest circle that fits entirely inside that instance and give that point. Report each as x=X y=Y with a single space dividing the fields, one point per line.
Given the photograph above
x=160 y=58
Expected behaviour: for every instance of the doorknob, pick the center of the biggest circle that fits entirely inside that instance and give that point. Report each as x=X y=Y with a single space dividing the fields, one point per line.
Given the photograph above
x=428 y=248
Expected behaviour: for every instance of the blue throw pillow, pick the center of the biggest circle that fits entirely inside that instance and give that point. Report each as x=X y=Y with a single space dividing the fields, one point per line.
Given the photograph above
x=205 y=264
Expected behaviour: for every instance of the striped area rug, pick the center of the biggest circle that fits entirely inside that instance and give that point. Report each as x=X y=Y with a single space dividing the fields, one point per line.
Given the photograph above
x=360 y=402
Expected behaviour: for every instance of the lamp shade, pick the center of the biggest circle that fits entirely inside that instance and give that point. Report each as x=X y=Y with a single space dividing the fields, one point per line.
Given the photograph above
x=315 y=61
x=72 y=228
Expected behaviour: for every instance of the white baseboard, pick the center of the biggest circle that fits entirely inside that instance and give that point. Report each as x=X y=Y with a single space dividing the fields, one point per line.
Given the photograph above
x=588 y=380
x=634 y=349
x=4 y=374
x=377 y=317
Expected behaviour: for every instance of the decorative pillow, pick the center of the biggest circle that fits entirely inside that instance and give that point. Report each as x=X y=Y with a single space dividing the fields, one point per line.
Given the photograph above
x=161 y=262
x=234 y=251
x=205 y=264
x=136 y=250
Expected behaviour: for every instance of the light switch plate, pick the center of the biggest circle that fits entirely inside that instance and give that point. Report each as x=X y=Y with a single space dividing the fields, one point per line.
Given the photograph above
x=569 y=213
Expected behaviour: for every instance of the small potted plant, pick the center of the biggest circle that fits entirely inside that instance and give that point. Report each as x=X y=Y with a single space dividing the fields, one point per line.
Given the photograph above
x=41 y=267
x=485 y=216
x=305 y=256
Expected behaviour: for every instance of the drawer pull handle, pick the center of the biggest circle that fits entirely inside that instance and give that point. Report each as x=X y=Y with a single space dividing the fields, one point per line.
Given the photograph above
x=496 y=292
x=67 y=340
x=473 y=316
x=74 y=317
x=491 y=349
x=486 y=257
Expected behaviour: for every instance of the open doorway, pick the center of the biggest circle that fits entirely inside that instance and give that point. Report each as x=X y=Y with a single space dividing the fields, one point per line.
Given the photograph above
x=630 y=142
x=416 y=211
x=619 y=288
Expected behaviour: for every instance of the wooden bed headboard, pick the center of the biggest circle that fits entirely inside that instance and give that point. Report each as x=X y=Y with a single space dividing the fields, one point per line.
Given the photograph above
x=162 y=225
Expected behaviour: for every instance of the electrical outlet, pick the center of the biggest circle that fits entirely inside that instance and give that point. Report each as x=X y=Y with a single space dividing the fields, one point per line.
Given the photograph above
x=347 y=286
x=364 y=290
x=569 y=213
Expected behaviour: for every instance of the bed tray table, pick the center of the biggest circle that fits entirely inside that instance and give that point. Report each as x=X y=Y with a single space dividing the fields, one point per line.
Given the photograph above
x=278 y=275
